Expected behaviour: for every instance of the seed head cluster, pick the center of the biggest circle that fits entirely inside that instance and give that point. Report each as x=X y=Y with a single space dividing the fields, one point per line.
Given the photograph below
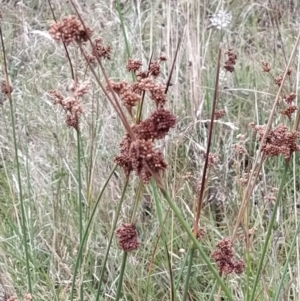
x=69 y=30
x=4 y=89
x=231 y=60
x=127 y=237
x=290 y=108
x=219 y=114
x=99 y=50
x=138 y=153
x=224 y=257
x=71 y=104
x=279 y=141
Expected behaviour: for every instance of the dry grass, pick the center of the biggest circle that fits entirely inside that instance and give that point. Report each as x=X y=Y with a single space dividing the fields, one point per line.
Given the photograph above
x=47 y=148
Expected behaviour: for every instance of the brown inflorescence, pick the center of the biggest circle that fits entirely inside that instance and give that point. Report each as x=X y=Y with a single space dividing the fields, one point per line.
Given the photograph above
x=279 y=141
x=140 y=156
x=127 y=237
x=266 y=67
x=5 y=89
x=133 y=65
x=123 y=160
x=69 y=30
x=224 y=257
x=289 y=98
x=289 y=107
x=238 y=148
x=71 y=104
x=200 y=233
x=99 y=50
x=137 y=151
x=231 y=60
x=145 y=159
x=278 y=80
x=289 y=110
x=219 y=114
x=154 y=69
x=156 y=126
x=212 y=159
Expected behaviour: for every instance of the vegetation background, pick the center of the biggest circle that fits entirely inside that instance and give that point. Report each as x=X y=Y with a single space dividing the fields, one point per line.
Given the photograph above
x=257 y=31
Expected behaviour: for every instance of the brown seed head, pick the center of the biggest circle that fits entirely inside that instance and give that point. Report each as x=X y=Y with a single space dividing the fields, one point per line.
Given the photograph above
x=212 y=159
x=289 y=98
x=231 y=60
x=223 y=255
x=154 y=69
x=145 y=159
x=4 y=89
x=279 y=140
x=156 y=126
x=266 y=67
x=69 y=30
x=133 y=65
x=99 y=50
x=219 y=114
x=127 y=237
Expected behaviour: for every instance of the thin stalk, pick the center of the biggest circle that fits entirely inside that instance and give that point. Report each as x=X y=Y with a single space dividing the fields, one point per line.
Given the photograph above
x=117 y=213
x=123 y=29
x=197 y=245
x=132 y=220
x=189 y=271
x=24 y=229
x=120 y=283
x=86 y=232
x=205 y=172
x=293 y=244
x=211 y=297
x=162 y=222
x=205 y=168
x=79 y=185
x=268 y=236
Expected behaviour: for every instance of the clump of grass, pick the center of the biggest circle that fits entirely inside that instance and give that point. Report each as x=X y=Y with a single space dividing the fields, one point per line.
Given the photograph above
x=209 y=227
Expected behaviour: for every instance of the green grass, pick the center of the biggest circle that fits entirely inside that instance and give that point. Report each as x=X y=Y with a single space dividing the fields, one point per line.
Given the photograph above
x=49 y=155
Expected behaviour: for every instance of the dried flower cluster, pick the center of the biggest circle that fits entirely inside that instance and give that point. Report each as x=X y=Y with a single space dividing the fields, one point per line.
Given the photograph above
x=231 y=60
x=239 y=148
x=266 y=67
x=127 y=237
x=71 y=104
x=213 y=159
x=200 y=233
x=279 y=141
x=223 y=256
x=138 y=153
x=69 y=30
x=278 y=80
x=4 y=89
x=290 y=108
x=99 y=50
x=219 y=114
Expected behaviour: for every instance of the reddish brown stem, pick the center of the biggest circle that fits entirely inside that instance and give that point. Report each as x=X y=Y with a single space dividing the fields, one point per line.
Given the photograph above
x=202 y=187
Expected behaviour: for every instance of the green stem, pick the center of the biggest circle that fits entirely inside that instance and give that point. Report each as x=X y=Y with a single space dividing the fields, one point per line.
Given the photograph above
x=287 y=262
x=117 y=213
x=79 y=186
x=197 y=245
x=189 y=270
x=24 y=229
x=123 y=29
x=85 y=235
x=268 y=236
x=211 y=297
x=120 y=283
